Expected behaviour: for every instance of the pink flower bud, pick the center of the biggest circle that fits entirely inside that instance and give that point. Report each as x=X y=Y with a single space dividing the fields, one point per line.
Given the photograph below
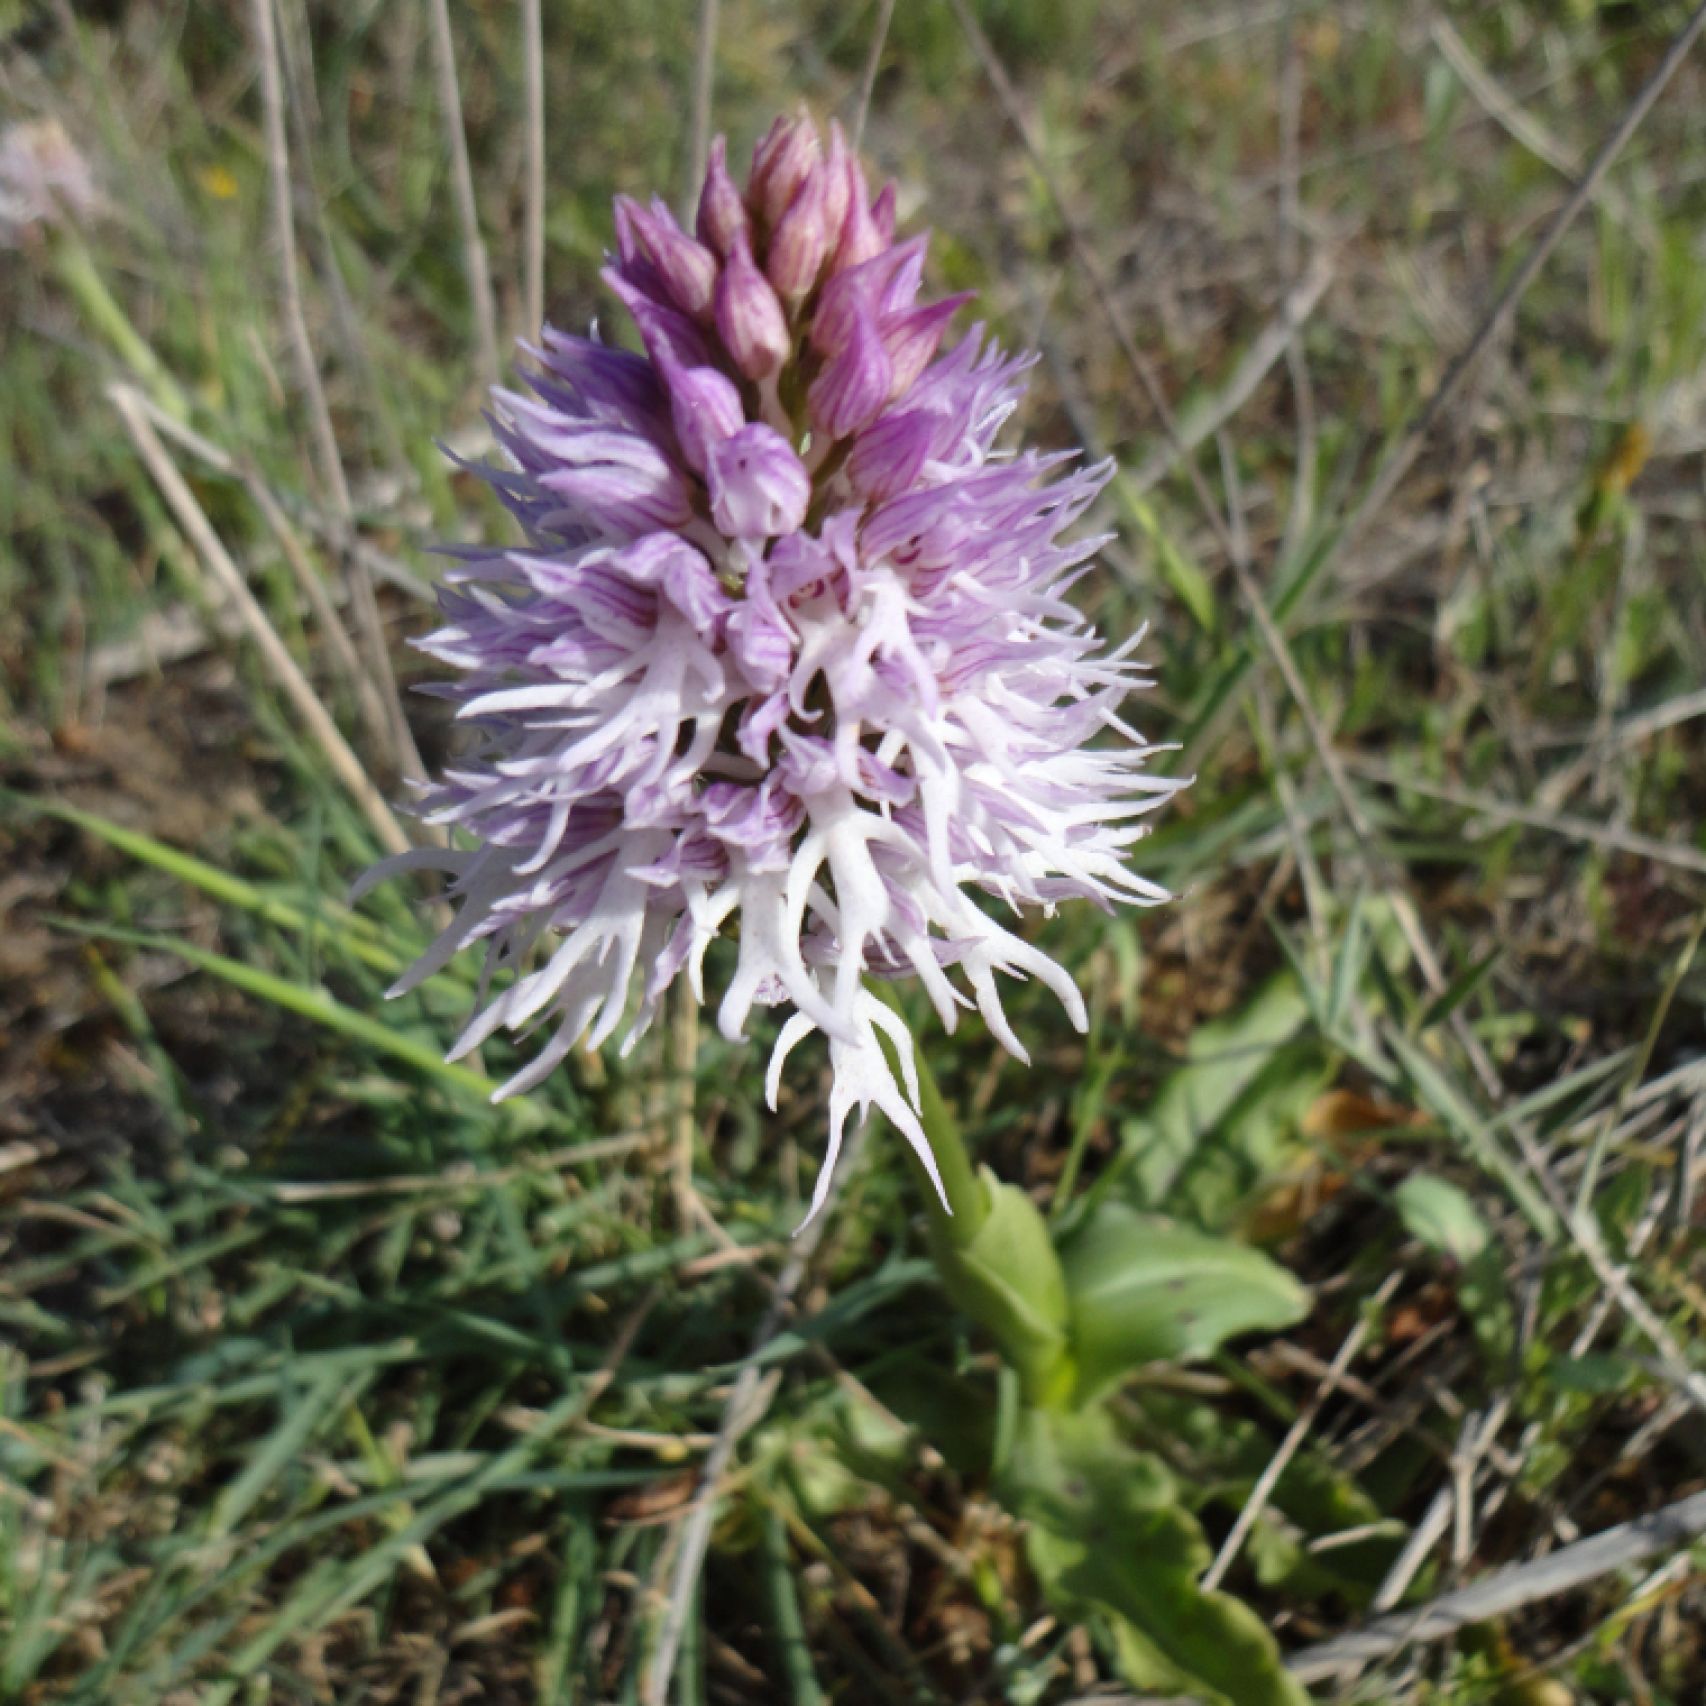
x=749 y=317
x=800 y=240
x=665 y=333
x=838 y=183
x=883 y=284
x=861 y=238
x=722 y=213
x=913 y=339
x=854 y=386
x=781 y=162
x=883 y=212
x=686 y=270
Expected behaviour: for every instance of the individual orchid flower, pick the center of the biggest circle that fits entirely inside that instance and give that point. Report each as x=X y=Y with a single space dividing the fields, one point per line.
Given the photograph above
x=786 y=657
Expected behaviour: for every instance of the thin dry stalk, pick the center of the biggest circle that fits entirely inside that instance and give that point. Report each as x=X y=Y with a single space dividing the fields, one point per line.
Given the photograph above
x=303 y=106
x=474 y=262
x=284 y=230
x=1475 y=1439
x=699 y=131
x=873 y=64
x=1302 y=510
x=533 y=224
x=310 y=582
x=333 y=532
x=1296 y=1434
x=1507 y=1590
x=308 y=372
x=319 y=600
x=229 y=578
x=1677 y=854
x=338 y=534
x=1265 y=350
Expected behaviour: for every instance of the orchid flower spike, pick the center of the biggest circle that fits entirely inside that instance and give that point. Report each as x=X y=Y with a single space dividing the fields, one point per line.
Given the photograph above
x=44 y=181
x=786 y=656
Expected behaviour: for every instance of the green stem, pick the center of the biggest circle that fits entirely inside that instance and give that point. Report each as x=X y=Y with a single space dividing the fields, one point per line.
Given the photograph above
x=80 y=276
x=993 y=1250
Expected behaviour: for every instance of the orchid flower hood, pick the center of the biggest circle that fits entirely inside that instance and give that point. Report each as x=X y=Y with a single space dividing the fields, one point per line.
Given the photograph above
x=786 y=656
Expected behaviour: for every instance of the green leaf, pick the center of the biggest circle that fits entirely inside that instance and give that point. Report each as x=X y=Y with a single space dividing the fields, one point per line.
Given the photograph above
x=1595 y=1373
x=1225 y=1059
x=1442 y=1216
x=1460 y=989
x=1007 y=1277
x=1143 y=1289
x=1109 y=1539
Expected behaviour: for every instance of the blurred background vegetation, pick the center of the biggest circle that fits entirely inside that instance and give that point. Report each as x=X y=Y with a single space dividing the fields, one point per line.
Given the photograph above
x=322 y=1380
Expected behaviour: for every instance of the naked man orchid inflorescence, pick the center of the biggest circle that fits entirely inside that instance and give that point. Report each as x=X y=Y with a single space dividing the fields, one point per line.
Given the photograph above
x=44 y=181
x=786 y=656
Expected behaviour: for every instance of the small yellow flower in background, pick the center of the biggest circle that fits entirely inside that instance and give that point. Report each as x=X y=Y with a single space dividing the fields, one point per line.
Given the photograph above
x=217 y=182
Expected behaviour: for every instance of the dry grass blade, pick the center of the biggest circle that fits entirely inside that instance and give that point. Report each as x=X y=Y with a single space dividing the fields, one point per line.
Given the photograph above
x=699 y=133
x=1396 y=464
x=474 y=262
x=1509 y=1590
x=1508 y=112
x=330 y=529
x=533 y=74
x=1295 y=1436
x=1475 y=1440
x=282 y=666
x=873 y=63
x=1675 y=853
x=1269 y=345
x=290 y=280
x=308 y=372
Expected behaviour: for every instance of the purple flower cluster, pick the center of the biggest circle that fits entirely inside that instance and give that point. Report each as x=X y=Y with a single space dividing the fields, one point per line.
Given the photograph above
x=787 y=655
